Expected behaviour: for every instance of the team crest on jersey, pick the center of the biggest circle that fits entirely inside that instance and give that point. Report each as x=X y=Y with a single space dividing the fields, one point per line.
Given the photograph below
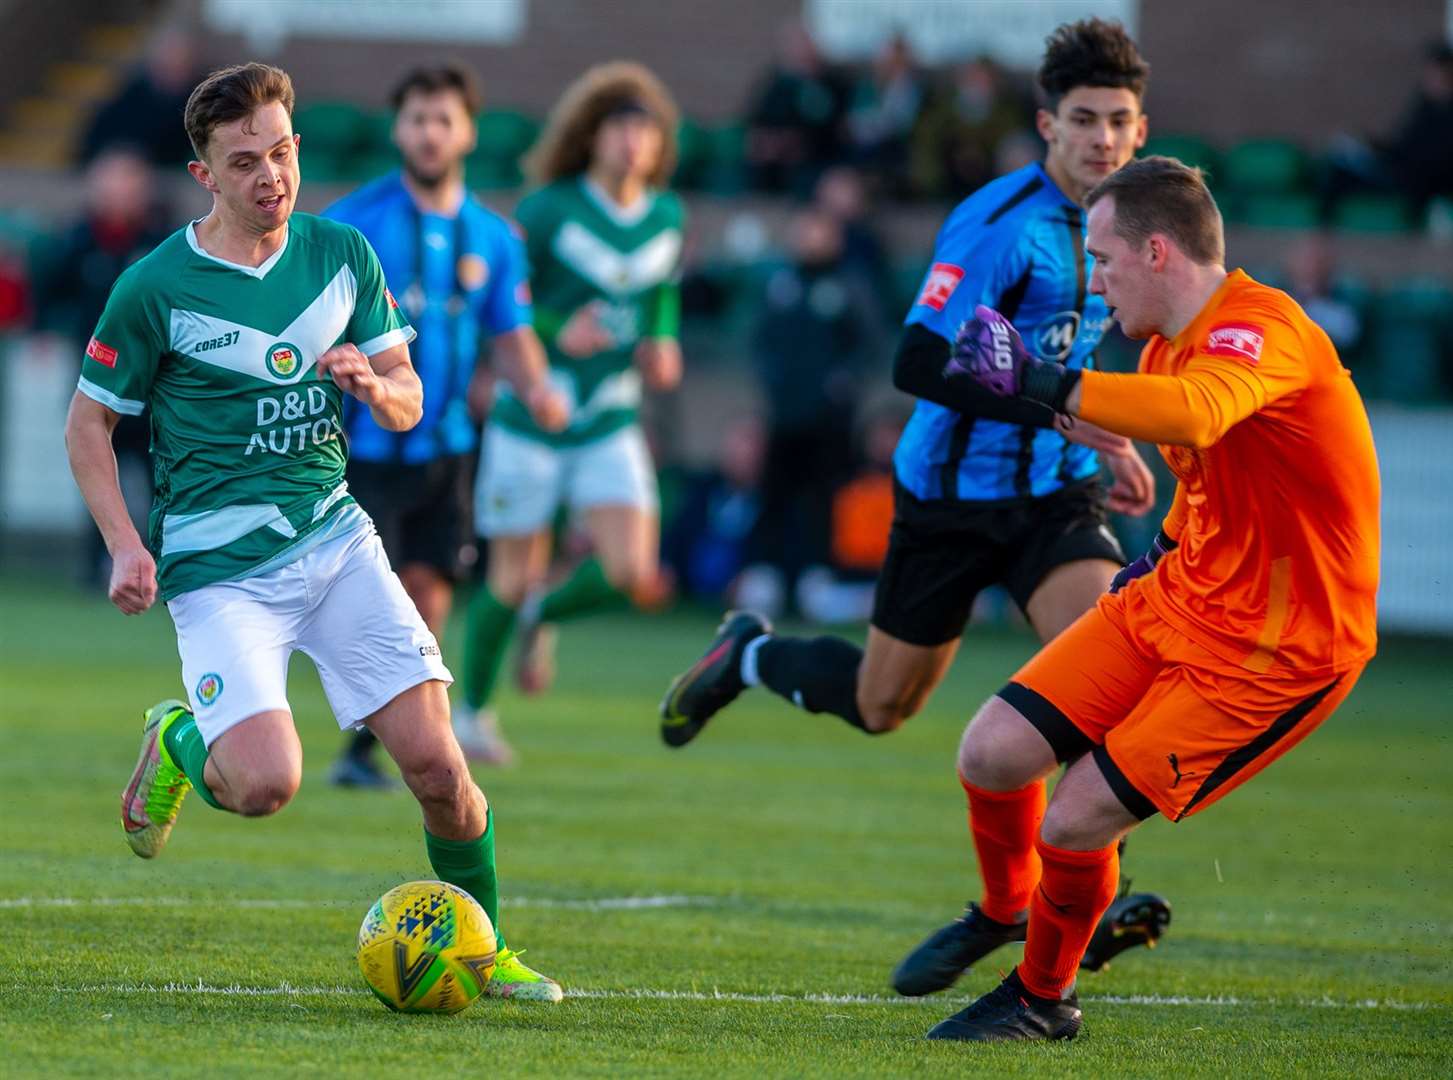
x=284 y=359
x=943 y=279
x=209 y=688
x=102 y=353
x=472 y=272
x=1240 y=341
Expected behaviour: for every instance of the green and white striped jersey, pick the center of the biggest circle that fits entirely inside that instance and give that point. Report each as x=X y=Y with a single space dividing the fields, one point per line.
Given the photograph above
x=246 y=440
x=583 y=249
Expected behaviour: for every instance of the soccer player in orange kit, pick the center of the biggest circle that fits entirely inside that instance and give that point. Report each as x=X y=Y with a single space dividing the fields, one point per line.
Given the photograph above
x=1241 y=630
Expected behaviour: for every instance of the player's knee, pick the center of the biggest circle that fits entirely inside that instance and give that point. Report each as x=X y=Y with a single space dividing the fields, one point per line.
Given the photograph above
x=264 y=793
x=884 y=713
x=440 y=784
x=509 y=591
x=990 y=762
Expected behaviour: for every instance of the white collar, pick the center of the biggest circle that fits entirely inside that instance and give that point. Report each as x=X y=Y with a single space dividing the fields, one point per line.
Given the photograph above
x=625 y=216
x=258 y=272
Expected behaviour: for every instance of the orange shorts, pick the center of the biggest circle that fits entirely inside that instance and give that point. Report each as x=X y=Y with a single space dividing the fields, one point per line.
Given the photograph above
x=1172 y=726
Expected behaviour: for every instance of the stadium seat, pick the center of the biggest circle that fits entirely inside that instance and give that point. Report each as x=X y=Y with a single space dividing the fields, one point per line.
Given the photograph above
x=1264 y=167
x=504 y=137
x=1372 y=213
x=693 y=154
x=331 y=127
x=378 y=132
x=1266 y=211
x=1188 y=148
x=726 y=173
x=1411 y=337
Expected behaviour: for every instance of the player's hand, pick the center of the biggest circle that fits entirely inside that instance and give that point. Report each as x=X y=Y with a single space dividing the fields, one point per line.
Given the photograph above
x=548 y=408
x=1145 y=564
x=660 y=362
x=583 y=335
x=1133 y=491
x=133 y=580
x=990 y=351
x=350 y=369
x=479 y=396
x=1084 y=433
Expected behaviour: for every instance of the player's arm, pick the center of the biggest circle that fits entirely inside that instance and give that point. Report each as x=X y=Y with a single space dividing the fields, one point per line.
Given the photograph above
x=522 y=361
x=385 y=381
x=1166 y=541
x=918 y=369
x=89 y=426
x=658 y=353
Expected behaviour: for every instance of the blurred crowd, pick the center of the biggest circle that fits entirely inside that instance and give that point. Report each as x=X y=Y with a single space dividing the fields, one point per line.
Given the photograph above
x=792 y=513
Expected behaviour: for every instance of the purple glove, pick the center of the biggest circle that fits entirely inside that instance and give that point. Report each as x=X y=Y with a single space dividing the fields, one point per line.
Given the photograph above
x=1145 y=564
x=990 y=351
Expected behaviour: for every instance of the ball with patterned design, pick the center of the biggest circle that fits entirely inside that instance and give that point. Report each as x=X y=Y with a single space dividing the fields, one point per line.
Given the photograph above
x=426 y=947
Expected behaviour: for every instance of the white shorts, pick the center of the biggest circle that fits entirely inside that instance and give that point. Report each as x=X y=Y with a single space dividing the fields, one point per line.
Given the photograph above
x=340 y=604
x=522 y=482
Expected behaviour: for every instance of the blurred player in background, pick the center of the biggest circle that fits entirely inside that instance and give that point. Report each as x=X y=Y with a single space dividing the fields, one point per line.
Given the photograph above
x=242 y=333
x=988 y=491
x=604 y=241
x=459 y=272
x=1247 y=623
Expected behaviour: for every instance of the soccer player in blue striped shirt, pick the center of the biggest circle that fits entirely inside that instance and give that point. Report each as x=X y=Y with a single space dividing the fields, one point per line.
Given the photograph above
x=988 y=491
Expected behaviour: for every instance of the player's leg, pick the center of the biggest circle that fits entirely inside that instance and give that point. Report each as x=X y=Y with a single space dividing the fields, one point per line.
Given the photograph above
x=923 y=598
x=516 y=494
x=380 y=666
x=234 y=639
x=1067 y=592
x=611 y=484
x=1014 y=741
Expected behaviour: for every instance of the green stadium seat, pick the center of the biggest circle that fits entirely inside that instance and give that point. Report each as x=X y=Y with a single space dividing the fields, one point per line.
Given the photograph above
x=1411 y=337
x=1275 y=211
x=333 y=127
x=727 y=172
x=1187 y=148
x=1372 y=213
x=693 y=154
x=377 y=130
x=504 y=137
x=1264 y=167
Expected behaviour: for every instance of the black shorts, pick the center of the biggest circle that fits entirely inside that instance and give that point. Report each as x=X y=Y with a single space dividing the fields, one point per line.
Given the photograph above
x=942 y=553
x=422 y=512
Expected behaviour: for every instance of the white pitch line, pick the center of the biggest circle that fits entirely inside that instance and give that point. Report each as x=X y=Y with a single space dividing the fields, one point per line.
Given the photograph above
x=597 y=903
x=1138 y=1000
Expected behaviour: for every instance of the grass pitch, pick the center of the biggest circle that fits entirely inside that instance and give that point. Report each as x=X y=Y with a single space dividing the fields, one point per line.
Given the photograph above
x=732 y=909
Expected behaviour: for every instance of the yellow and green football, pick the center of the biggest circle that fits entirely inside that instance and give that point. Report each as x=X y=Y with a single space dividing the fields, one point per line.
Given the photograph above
x=426 y=947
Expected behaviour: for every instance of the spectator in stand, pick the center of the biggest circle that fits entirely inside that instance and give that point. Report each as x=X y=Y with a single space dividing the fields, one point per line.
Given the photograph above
x=960 y=129
x=1311 y=280
x=1416 y=160
x=146 y=114
x=842 y=194
x=705 y=546
x=883 y=109
x=811 y=341
x=14 y=288
x=793 y=123
x=119 y=225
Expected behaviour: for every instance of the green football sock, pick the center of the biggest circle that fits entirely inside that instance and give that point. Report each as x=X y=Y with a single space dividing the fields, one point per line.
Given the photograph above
x=583 y=591
x=469 y=865
x=185 y=745
x=487 y=636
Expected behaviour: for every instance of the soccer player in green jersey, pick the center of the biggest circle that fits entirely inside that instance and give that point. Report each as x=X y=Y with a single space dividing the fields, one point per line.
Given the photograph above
x=604 y=242
x=242 y=332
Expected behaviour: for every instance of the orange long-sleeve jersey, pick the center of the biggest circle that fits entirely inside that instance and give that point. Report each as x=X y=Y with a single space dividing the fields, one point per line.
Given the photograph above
x=1277 y=509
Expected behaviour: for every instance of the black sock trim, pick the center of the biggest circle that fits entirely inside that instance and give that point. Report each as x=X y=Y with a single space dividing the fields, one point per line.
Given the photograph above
x=1129 y=795
x=1066 y=740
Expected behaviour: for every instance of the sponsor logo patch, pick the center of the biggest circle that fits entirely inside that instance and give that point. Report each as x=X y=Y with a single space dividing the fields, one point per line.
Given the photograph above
x=102 y=353
x=1240 y=341
x=943 y=279
x=209 y=688
x=390 y=298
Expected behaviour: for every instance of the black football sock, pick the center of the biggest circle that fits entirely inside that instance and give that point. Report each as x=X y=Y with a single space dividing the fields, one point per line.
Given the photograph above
x=360 y=746
x=819 y=675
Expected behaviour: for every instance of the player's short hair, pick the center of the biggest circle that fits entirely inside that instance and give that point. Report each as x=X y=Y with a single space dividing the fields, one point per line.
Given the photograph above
x=437 y=78
x=565 y=145
x=1163 y=195
x=231 y=93
x=1091 y=52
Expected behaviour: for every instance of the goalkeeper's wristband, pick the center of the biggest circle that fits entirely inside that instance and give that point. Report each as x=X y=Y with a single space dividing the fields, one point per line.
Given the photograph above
x=1160 y=546
x=1048 y=384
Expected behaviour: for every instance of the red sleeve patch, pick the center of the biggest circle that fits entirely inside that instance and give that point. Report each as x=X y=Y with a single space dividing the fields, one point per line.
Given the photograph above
x=390 y=296
x=101 y=353
x=1240 y=341
x=943 y=279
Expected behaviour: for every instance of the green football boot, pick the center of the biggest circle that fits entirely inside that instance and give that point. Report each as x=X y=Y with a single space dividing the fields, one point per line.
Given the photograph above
x=513 y=979
x=150 y=802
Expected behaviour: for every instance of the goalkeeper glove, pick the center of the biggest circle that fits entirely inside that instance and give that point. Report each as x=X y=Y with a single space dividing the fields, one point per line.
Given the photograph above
x=990 y=351
x=1145 y=564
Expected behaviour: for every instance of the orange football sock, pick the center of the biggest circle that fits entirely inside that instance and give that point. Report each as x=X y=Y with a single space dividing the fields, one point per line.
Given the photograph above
x=1074 y=890
x=1004 y=825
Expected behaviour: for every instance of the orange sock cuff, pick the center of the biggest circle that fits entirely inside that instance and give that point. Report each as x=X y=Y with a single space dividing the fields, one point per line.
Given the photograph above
x=1075 y=889
x=1004 y=825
